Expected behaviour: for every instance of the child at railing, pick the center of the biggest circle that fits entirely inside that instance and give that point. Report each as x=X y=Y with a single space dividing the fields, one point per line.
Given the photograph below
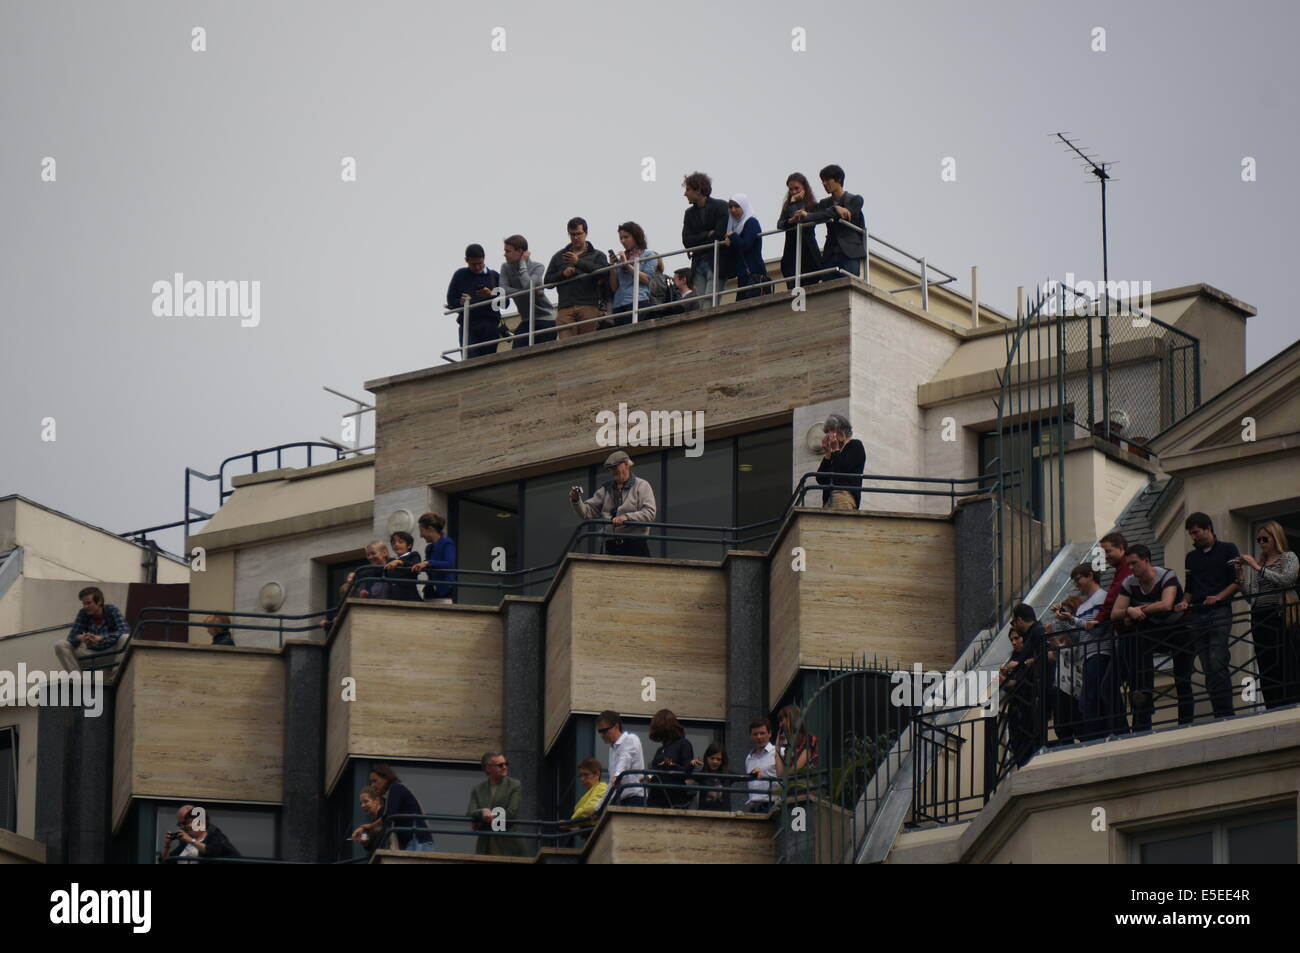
x=403 y=544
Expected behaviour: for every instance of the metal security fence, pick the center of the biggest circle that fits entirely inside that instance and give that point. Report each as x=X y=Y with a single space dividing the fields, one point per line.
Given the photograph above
x=1129 y=374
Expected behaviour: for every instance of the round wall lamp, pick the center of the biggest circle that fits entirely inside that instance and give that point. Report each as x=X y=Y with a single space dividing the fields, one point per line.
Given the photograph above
x=271 y=597
x=401 y=521
x=813 y=441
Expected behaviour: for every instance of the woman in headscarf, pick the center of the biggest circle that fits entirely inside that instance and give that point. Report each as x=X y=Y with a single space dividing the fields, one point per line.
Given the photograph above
x=743 y=238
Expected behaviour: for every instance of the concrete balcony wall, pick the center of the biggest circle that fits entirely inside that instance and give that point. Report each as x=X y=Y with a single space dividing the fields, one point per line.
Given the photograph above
x=507 y=415
x=875 y=583
x=661 y=836
x=20 y=850
x=610 y=623
x=1043 y=813
x=428 y=684
x=199 y=723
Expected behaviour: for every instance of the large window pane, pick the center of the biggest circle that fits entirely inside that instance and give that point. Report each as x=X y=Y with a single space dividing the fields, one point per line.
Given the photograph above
x=444 y=790
x=1269 y=842
x=549 y=521
x=763 y=482
x=1191 y=849
x=9 y=778
x=700 y=493
x=486 y=519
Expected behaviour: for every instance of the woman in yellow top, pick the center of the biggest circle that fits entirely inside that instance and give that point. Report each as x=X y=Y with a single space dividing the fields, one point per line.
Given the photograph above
x=589 y=772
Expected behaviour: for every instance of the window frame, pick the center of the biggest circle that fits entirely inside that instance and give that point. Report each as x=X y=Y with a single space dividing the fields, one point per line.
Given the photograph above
x=1216 y=824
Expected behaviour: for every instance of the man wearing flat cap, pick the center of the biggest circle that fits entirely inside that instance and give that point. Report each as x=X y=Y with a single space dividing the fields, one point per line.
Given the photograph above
x=625 y=501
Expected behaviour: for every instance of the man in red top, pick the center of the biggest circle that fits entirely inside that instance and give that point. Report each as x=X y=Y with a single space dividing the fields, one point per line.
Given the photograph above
x=1113 y=546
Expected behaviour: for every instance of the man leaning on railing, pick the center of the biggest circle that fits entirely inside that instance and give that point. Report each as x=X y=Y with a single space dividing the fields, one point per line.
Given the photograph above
x=846 y=223
x=704 y=222
x=523 y=279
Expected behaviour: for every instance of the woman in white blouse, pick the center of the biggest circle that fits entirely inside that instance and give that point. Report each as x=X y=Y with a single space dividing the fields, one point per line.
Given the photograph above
x=1269 y=583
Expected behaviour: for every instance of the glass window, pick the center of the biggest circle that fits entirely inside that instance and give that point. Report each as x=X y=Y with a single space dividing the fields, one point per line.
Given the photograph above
x=532 y=520
x=1260 y=838
x=700 y=491
x=443 y=789
x=1265 y=842
x=486 y=519
x=1189 y=849
x=9 y=778
x=764 y=482
x=252 y=830
x=549 y=520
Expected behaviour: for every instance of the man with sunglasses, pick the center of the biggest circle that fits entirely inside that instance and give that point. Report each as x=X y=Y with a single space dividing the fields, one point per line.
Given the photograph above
x=502 y=794
x=624 y=755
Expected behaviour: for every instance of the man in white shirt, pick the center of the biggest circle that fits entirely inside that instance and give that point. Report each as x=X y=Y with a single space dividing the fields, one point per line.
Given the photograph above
x=624 y=755
x=760 y=764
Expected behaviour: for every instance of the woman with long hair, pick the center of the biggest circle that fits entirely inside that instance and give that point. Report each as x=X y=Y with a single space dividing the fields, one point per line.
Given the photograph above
x=799 y=196
x=673 y=762
x=796 y=749
x=714 y=795
x=634 y=257
x=1269 y=583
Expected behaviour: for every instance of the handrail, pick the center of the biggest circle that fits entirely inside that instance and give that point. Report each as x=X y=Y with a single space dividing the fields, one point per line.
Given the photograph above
x=728 y=535
x=489 y=304
x=48 y=628
x=1020 y=726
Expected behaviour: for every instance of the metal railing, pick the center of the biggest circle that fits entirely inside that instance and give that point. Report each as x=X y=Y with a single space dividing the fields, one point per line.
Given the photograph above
x=590 y=531
x=1130 y=375
x=1122 y=683
x=501 y=297
x=829 y=805
x=195 y=515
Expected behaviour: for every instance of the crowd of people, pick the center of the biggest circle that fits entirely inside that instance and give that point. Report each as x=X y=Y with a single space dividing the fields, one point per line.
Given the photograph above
x=597 y=288
x=1098 y=655
x=674 y=778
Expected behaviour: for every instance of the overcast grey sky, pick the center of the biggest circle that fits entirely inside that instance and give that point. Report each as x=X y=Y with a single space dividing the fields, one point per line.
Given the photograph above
x=225 y=165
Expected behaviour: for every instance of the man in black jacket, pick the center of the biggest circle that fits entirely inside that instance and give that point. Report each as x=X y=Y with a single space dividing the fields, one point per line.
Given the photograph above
x=841 y=455
x=195 y=832
x=845 y=246
x=705 y=221
x=580 y=295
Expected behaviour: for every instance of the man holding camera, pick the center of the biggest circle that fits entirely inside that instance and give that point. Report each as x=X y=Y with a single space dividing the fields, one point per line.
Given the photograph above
x=624 y=501
x=195 y=837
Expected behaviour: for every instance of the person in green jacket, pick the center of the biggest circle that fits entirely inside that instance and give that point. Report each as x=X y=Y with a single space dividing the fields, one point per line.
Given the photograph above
x=498 y=791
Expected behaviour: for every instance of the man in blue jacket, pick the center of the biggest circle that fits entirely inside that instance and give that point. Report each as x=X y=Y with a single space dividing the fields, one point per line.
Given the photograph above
x=96 y=629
